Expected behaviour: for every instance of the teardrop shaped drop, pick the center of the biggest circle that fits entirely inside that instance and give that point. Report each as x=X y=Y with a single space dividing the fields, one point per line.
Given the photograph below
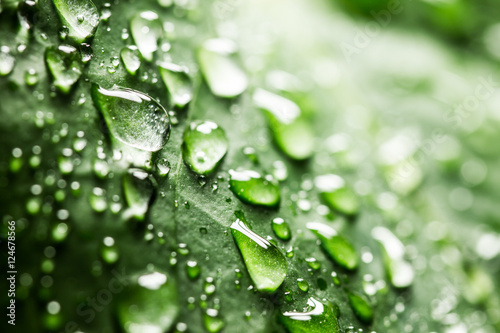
x=7 y=61
x=265 y=263
x=400 y=272
x=291 y=131
x=178 y=83
x=146 y=29
x=148 y=304
x=319 y=319
x=250 y=187
x=138 y=190
x=336 y=246
x=204 y=146
x=133 y=117
x=65 y=65
x=131 y=59
x=361 y=307
x=224 y=76
x=336 y=194
x=80 y=16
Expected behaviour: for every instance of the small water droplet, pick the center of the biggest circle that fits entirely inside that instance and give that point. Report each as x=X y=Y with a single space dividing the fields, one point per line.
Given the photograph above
x=64 y=63
x=131 y=59
x=336 y=194
x=281 y=229
x=178 y=83
x=146 y=29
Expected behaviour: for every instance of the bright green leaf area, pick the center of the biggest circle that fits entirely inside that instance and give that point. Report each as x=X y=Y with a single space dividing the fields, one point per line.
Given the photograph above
x=409 y=119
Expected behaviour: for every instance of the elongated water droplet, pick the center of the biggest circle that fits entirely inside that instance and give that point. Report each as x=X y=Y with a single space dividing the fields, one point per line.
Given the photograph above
x=250 y=187
x=336 y=246
x=319 y=319
x=178 y=83
x=131 y=59
x=133 y=118
x=146 y=29
x=265 y=263
x=80 y=16
x=336 y=194
x=213 y=322
x=7 y=61
x=361 y=307
x=224 y=77
x=204 y=146
x=400 y=272
x=281 y=229
x=291 y=131
x=31 y=77
x=138 y=190
x=98 y=200
x=148 y=304
x=65 y=65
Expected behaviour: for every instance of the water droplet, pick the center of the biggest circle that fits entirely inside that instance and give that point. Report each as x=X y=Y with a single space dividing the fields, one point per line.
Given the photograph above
x=250 y=187
x=224 y=76
x=163 y=167
x=313 y=263
x=280 y=171
x=31 y=77
x=131 y=59
x=101 y=168
x=192 y=269
x=80 y=16
x=149 y=303
x=138 y=189
x=64 y=63
x=7 y=61
x=209 y=287
x=109 y=251
x=178 y=83
x=204 y=146
x=318 y=319
x=213 y=323
x=98 y=200
x=291 y=131
x=133 y=118
x=336 y=246
x=303 y=285
x=265 y=263
x=336 y=194
x=361 y=307
x=251 y=154
x=281 y=229
x=146 y=29
x=400 y=272
x=60 y=232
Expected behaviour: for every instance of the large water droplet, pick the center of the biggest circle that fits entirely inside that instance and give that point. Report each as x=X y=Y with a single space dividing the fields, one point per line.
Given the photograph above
x=224 y=77
x=149 y=303
x=319 y=319
x=400 y=272
x=205 y=144
x=361 y=307
x=7 y=61
x=146 y=29
x=336 y=246
x=138 y=189
x=292 y=132
x=133 y=117
x=64 y=63
x=265 y=263
x=80 y=16
x=336 y=194
x=131 y=59
x=250 y=187
x=178 y=83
